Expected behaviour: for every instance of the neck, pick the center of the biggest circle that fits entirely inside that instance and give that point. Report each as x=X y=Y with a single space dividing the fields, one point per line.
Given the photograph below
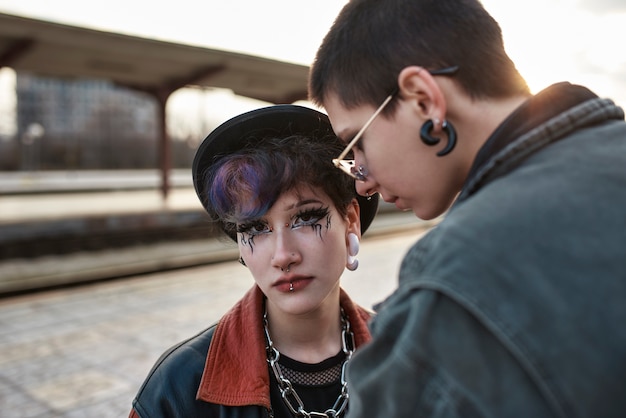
x=309 y=338
x=476 y=120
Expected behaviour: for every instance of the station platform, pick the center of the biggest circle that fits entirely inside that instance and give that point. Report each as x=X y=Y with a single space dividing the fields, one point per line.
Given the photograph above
x=62 y=228
x=83 y=351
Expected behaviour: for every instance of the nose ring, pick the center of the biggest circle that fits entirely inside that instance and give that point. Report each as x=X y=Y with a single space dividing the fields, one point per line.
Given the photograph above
x=360 y=173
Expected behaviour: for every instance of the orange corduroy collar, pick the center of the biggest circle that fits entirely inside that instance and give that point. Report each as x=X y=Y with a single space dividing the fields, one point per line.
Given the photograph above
x=240 y=376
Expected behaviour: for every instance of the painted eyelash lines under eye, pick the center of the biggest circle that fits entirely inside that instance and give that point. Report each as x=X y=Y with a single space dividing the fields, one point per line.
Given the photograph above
x=309 y=217
x=305 y=217
x=254 y=228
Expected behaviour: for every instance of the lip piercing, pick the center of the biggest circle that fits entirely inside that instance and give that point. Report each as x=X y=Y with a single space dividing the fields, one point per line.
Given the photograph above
x=290 y=286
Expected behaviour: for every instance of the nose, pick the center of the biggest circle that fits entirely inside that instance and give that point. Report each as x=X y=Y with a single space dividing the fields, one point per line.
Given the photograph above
x=286 y=253
x=363 y=181
x=361 y=188
x=365 y=187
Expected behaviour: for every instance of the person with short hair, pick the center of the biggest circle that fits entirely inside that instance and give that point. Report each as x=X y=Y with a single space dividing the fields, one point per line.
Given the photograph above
x=514 y=304
x=267 y=179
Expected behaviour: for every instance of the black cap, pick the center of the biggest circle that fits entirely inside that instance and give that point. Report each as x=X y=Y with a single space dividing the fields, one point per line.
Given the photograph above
x=279 y=121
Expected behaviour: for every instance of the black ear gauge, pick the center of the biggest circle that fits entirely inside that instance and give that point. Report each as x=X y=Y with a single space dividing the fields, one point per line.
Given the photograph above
x=428 y=139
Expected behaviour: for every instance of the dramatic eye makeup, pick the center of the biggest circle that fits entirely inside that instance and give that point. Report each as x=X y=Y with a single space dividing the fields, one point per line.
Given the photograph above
x=305 y=217
x=310 y=217
x=249 y=230
x=253 y=228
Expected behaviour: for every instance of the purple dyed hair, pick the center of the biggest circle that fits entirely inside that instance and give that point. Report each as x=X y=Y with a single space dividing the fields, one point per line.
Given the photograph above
x=244 y=185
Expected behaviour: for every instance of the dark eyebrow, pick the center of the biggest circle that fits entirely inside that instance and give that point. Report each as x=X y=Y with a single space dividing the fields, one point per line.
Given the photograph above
x=301 y=203
x=306 y=202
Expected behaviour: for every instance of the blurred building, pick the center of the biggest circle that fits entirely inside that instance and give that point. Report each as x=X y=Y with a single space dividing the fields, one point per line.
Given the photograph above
x=69 y=124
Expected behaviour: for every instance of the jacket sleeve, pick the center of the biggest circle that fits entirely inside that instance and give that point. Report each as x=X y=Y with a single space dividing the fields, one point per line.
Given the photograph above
x=171 y=386
x=429 y=357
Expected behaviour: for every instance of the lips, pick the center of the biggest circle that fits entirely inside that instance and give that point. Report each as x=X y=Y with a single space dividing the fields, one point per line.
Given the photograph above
x=390 y=199
x=291 y=284
x=385 y=197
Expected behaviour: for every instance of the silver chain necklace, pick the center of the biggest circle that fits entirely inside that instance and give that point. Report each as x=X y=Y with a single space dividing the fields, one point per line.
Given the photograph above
x=288 y=393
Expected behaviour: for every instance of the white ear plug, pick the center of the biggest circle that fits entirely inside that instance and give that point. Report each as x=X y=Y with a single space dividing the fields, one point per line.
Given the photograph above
x=353 y=250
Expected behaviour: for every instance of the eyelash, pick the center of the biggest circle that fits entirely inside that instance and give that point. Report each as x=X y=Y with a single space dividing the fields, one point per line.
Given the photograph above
x=248 y=228
x=259 y=227
x=316 y=214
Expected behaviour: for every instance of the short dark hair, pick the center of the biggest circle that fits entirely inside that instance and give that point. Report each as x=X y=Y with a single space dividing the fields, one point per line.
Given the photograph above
x=371 y=41
x=245 y=185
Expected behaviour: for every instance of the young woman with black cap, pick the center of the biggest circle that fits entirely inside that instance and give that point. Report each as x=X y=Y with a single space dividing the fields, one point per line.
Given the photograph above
x=266 y=177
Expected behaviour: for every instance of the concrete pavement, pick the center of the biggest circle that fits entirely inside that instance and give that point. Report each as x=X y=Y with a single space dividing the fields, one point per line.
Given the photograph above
x=133 y=231
x=84 y=351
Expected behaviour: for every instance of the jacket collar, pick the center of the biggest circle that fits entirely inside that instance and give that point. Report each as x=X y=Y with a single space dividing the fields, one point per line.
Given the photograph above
x=236 y=373
x=543 y=119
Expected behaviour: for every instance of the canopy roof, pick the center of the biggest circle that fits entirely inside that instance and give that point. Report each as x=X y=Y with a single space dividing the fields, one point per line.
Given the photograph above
x=51 y=49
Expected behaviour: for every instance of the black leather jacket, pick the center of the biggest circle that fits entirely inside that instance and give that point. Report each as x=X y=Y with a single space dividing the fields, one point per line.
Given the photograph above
x=222 y=372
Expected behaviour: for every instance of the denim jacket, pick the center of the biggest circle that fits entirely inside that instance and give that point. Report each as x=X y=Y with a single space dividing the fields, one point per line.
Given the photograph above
x=515 y=304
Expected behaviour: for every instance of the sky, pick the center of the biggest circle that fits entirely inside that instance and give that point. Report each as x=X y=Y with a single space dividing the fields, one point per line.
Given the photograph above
x=549 y=40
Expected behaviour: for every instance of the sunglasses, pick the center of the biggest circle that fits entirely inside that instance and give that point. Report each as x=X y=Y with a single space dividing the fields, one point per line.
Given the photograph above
x=349 y=166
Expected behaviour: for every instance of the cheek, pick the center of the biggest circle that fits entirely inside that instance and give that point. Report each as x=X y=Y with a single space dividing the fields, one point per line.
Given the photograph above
x=335 y=240
x=325 y=240
x=251 y=250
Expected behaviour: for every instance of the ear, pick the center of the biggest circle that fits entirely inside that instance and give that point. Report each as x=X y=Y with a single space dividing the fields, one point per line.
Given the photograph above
x=417 y=86
x=354 y=219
